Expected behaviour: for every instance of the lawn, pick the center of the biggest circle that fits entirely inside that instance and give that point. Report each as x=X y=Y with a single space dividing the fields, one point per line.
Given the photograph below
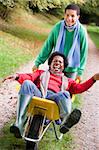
x=9 y=142
x=94 y=34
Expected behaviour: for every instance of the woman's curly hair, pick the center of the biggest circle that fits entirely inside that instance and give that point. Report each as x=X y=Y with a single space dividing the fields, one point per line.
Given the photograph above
x=58 y=54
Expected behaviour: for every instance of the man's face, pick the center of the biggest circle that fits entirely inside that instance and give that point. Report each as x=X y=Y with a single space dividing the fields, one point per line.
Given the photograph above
x=57 y=64
x=71 y=17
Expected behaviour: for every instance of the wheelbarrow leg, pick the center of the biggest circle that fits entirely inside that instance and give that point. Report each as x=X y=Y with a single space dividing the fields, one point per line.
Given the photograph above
x=58 y=136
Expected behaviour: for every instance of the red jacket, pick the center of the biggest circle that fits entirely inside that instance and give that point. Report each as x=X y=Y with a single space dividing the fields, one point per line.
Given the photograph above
x=55 y=82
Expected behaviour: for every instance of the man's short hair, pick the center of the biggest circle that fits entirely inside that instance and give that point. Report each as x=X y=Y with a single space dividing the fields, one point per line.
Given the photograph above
x=73 y=7
x=58 y=54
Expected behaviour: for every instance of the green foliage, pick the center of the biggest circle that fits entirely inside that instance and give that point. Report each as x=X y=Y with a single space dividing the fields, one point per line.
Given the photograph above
x=50 y=4
x=89 y=8
x=6 y=7
x=8 y=3
x=90 y=11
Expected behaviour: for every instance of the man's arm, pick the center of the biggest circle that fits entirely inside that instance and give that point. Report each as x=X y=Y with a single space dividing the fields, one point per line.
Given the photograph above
x=83 y=50
x=48 y=46
x=45 y=51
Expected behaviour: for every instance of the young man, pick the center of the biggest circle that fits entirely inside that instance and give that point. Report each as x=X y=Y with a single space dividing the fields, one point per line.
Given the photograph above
x=53 y=85
x=70 y=38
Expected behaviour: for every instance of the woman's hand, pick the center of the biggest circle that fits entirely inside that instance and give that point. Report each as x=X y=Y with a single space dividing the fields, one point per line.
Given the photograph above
x=78 y=79
x=34 y=68
x=96 y=76
x=12 y=77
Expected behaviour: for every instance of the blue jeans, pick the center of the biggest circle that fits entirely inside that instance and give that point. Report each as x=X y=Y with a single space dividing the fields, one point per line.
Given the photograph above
x=29 y=88
x=61 y=98
x=63 y=101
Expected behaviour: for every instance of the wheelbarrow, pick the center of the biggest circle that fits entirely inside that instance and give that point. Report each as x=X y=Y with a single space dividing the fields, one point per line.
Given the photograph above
x=38 y=111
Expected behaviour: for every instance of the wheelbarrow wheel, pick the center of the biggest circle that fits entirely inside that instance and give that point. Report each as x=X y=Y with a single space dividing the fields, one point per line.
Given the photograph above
x=31 y=145
x=34 y=132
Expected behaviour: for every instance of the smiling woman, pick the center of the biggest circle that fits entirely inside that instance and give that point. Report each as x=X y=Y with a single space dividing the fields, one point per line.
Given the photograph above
x=50 y=84
x=57 y=65
x=57 y=61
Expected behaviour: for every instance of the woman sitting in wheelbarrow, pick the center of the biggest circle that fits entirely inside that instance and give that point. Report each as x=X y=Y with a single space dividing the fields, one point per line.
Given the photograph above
x=53 y=85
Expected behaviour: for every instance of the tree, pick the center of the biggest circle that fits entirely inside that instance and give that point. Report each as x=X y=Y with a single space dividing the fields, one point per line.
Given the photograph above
x=90 y=11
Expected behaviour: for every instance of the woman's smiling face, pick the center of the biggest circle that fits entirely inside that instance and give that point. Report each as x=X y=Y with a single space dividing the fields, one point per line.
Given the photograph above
x=57 y=64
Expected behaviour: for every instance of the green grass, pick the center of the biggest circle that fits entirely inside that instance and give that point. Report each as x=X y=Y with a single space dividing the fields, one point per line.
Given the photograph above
x=9 y=142
x=94 y=34
x=24 y=29
x=50 y=142
x=11 y=58
x=77 y=102
x=24 y=33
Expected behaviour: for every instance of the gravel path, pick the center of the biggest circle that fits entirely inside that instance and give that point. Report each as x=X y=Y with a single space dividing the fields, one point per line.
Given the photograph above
x=87 y=131
x=8 y=95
